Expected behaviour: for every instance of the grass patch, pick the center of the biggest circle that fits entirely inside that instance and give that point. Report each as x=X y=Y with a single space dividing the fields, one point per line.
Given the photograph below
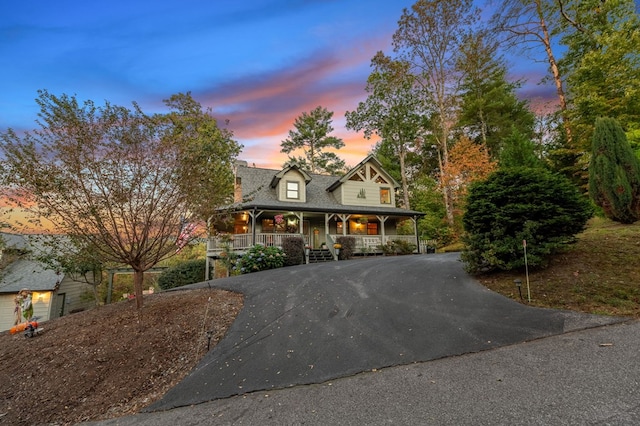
x=600 y=274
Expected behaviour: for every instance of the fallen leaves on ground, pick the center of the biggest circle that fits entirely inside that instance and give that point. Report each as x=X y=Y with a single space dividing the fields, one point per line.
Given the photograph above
x=110 y=361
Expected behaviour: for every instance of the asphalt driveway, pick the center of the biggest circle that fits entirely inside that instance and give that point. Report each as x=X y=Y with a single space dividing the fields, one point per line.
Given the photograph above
x=313 y=323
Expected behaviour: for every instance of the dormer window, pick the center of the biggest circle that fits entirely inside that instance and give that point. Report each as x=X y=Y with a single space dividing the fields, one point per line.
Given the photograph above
x=290 y=184
x=293 y=190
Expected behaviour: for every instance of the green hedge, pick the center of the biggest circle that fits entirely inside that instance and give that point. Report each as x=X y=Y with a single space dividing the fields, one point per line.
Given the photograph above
x=189 y=272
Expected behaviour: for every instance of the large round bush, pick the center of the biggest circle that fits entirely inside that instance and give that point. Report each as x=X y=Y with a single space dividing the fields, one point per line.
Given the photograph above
x=520 y=204
x=260 y=258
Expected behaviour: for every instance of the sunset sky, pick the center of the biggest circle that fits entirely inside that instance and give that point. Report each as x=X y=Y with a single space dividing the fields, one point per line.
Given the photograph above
x=258 y=64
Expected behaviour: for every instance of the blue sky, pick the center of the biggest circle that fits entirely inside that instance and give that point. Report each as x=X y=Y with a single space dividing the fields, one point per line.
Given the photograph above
x=257 y=63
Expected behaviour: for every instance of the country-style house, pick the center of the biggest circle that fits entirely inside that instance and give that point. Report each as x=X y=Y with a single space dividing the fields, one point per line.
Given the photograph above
x=273 y=204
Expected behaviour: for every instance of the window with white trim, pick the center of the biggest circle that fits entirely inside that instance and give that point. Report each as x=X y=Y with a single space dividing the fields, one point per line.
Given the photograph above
x=293 y=190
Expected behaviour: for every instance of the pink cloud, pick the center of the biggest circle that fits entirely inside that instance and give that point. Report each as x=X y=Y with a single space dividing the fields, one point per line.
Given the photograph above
x=261 y=109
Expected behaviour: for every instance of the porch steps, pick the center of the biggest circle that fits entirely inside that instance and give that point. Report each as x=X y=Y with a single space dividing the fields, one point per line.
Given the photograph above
x=318 y=256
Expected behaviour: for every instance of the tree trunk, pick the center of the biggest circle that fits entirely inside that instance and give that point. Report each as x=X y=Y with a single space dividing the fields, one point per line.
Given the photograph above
x=448 y=207
x=138 y=277
x=312 y=157
x=443 y=158
x=483 y=128
x=553 y=65
x=403 y=176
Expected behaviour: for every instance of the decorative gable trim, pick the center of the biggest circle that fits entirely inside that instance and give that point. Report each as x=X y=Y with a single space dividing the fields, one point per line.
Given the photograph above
x=360 y=173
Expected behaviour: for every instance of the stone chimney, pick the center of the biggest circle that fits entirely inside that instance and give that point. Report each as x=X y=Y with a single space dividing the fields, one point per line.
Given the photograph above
x=237 y=189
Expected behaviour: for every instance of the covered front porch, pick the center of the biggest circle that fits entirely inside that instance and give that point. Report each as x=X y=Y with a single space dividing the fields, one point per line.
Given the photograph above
x=241 y=230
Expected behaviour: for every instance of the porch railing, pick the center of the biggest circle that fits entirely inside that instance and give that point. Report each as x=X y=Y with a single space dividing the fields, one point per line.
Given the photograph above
x=241 y=242
x=364 y=243
x=370 y=243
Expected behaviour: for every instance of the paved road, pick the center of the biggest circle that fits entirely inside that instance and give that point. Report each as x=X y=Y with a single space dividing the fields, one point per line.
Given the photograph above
x=404 y=340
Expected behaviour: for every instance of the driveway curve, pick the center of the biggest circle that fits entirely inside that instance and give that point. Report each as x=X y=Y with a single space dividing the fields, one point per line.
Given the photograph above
x=312 y=323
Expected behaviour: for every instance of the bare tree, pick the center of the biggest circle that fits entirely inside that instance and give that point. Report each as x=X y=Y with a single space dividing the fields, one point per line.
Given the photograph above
x=115 y=178
x=527 y=23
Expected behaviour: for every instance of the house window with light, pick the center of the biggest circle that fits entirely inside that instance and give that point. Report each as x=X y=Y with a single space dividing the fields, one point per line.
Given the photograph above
x=385 y=196
x=293 y=190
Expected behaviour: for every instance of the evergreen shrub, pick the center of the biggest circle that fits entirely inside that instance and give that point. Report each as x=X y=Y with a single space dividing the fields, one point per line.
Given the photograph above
x=614 y=173
x=514 y=205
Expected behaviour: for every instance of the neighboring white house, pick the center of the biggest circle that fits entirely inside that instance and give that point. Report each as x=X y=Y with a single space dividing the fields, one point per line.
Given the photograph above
x=53 y=293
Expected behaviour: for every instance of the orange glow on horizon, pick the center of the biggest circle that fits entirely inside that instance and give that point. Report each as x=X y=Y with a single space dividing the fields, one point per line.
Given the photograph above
x=18 y=220
x=265 y=153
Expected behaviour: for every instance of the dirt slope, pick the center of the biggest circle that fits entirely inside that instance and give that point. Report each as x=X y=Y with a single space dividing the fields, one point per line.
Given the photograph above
x=110 y=361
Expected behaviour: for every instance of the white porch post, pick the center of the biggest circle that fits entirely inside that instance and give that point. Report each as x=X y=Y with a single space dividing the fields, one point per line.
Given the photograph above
x=382 y=220
x=344 y=218
x=327 y=218
x=299 y=216
x=254 y=216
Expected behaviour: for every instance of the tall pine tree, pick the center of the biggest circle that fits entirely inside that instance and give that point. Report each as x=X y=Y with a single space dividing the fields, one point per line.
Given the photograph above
x=311 y=136
x=490 y=109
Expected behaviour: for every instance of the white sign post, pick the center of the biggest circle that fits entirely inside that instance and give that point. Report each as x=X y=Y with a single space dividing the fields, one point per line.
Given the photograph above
x=526 y=268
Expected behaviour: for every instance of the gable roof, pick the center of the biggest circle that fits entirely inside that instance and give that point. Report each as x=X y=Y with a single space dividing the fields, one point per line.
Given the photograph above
x=370 y=159
x=258 y=193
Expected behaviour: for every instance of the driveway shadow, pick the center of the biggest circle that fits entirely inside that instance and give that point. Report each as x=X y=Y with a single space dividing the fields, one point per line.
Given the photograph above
x=312 y=323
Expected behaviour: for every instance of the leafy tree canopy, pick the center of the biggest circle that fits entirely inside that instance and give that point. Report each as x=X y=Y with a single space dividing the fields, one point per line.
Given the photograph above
x=469 y=162
x=602 y=64
x=395 y=110
x=124 y=183
x=489 y=107
x=428 y=38
x=206 y=152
